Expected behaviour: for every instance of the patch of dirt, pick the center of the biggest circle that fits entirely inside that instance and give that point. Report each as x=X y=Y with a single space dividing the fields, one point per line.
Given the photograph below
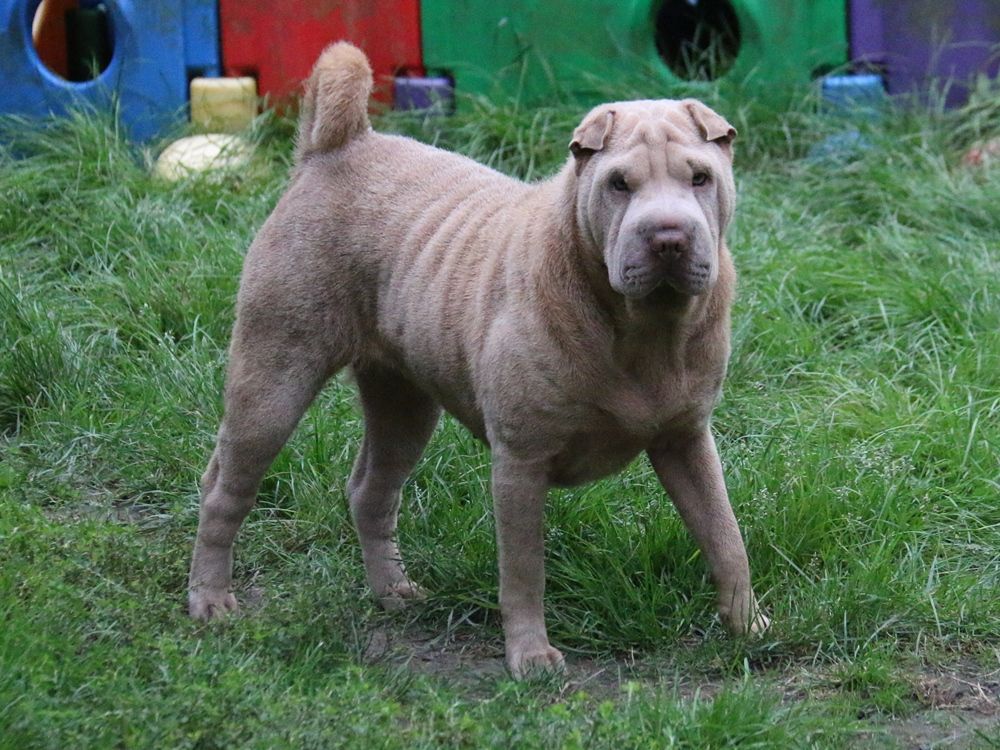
x=956 y=730
x=962 y=711
x=454 y=655
x=465 y=658
x=109 y=509
x=961 y=689
x=960 y=705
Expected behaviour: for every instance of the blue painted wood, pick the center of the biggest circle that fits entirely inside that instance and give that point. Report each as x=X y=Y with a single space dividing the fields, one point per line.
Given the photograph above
x=157 y=47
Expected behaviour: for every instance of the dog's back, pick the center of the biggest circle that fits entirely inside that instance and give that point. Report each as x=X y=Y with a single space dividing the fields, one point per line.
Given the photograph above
x=409 y=246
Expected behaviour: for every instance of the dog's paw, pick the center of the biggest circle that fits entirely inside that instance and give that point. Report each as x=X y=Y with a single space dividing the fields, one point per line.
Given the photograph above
x=749 y=622
x=398 y=595
x=759 y=624
x=536 y=659
x=210 y=604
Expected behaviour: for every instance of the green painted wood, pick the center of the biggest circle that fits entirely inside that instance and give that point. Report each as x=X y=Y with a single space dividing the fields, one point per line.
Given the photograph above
x=536 y=48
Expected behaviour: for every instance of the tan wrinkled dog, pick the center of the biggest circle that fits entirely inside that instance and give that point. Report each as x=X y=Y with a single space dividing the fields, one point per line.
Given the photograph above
x=570 y=324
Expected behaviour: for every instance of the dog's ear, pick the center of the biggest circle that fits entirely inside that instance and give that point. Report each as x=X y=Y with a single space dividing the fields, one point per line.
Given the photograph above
x=712 y=126
x=592 y=134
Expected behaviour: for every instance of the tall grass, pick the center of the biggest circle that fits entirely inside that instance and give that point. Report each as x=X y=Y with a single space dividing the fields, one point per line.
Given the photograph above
x=859 y=430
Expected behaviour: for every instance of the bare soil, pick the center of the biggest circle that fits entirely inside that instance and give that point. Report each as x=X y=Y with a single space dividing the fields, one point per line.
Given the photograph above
x=959 y=705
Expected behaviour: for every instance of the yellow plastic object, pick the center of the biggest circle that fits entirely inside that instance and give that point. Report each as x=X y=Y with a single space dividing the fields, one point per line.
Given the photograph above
x=226 y=105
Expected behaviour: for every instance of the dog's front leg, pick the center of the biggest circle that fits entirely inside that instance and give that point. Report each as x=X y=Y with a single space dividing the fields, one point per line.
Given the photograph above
x=519 y=488
x=689 y=468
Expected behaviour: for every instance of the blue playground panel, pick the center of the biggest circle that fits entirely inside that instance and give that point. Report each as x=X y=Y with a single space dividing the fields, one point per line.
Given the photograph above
x=158 y=46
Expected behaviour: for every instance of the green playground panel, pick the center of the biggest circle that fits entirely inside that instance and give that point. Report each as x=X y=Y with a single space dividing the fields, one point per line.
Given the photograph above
x=533 y=48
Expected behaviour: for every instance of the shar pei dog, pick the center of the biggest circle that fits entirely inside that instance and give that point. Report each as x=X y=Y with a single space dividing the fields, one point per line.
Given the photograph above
x=570 y=324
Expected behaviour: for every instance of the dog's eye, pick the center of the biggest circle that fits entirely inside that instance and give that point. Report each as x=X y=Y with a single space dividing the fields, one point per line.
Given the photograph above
x=618 y=183
x=699 y=178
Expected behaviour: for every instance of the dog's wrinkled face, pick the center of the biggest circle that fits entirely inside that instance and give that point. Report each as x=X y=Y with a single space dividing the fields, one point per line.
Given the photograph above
x=655 y=193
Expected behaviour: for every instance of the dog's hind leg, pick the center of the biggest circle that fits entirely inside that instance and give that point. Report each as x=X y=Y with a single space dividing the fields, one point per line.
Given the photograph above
x=399 y=420
x=271 y=380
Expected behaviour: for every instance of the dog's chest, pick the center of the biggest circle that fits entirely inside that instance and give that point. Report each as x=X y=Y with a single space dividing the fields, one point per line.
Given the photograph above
x=621 y=424
x=594 y=454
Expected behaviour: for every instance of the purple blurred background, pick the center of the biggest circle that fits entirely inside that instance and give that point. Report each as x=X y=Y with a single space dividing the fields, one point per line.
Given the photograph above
x=912 y=41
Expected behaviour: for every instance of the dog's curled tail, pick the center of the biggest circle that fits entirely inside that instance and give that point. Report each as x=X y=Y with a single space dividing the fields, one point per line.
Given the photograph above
x=335 y=104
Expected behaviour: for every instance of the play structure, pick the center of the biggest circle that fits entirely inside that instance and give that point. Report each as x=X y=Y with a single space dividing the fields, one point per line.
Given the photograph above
x=277 y=42
x=137 y=55
x=913 y=43
x=147 y=57
x=529 y=48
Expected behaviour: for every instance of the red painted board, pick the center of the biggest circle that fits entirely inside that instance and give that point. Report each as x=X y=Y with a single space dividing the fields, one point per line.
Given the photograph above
x=277 y=41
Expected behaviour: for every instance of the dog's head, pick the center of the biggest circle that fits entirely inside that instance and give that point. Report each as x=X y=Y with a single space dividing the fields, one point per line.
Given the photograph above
x=654 y=192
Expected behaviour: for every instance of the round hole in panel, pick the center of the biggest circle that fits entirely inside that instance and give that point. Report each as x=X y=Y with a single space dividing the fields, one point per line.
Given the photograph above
x=73 y=38
x=699 y=40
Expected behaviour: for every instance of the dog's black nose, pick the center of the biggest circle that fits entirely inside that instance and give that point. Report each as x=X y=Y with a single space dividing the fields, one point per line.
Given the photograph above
x=669 y=240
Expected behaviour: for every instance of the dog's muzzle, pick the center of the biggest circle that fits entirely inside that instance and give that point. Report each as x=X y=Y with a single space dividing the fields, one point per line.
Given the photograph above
x=667 y=254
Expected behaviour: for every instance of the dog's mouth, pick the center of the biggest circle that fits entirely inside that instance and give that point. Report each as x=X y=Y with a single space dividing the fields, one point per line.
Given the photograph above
x=691 y=280
x=639 y=281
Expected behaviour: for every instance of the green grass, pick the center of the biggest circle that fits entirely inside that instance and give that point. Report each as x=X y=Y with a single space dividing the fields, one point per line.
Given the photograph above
x=860 y=430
